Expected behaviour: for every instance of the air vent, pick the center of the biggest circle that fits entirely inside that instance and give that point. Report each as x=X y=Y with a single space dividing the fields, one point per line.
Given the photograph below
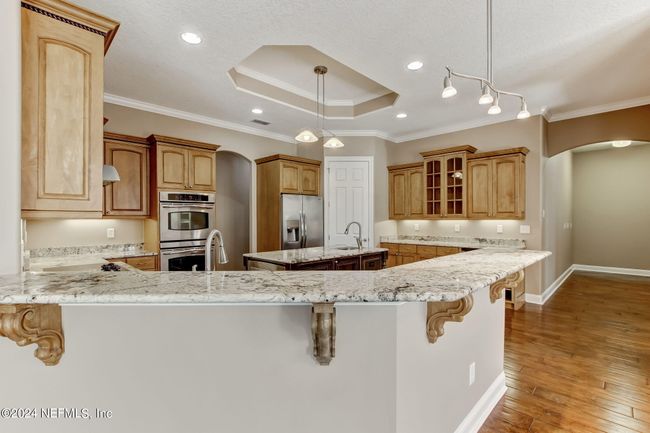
x=260 y=122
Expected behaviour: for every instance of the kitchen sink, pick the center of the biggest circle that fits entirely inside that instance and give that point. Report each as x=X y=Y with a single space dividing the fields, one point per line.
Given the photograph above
x=347 y=248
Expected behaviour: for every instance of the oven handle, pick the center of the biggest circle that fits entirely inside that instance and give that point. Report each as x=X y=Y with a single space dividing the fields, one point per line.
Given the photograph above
x=193 y=251
x=190 y=207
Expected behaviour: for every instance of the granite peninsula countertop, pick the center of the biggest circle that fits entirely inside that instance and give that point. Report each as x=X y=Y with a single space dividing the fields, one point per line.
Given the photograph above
x=42 y=263
x=442 y=279
x=305 y=255
x=454 y=241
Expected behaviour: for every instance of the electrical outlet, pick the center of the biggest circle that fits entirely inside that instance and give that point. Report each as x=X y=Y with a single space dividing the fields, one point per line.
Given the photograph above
x=524 y=229
x=457 y=228
x=416 y=227
x=110 y=233
x=499 y=228
x=472 y=373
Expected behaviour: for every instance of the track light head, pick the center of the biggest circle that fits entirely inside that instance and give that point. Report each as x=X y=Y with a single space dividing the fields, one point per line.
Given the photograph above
x=523 y=113
x=494 y=108
x=486 y=97
x=448 y=90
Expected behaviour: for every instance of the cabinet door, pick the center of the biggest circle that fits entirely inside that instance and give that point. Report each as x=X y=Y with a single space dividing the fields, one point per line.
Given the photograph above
x=62 y=118
x=415 y=196
x=408 y=258
x=310 y=180
x=454 y=186
x=447 y=251
x=202 y=170
x=479 y=196
x=144 y=263
x=347 y=264
x=392 y=260
x=129 y=196
x=398 y=194
x=290 y=177
x=505 y=200
x=326 y=265
x=433 y=187
x=374 y=262
x=172 y=167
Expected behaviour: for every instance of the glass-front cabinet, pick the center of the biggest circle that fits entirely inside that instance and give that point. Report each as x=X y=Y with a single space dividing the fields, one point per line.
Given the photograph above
x=445 y=182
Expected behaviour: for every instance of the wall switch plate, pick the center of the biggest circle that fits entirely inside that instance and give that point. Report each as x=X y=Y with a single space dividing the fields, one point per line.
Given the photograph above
x=457 y=228
x=110 y=233
x=472 y=373
x=416 y=227
x=499 y=228
x=524 y=229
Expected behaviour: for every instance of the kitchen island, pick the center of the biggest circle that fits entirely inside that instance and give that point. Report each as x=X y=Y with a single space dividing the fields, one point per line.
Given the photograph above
x=242 y=345
x=318 y=258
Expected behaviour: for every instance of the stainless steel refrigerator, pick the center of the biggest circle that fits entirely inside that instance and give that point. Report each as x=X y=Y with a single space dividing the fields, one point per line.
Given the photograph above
x=302 y=221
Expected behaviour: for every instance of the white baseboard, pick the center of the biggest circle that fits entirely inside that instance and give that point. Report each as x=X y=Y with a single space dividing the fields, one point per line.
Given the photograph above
x=550 y=290
x=612 y=270
x=484 y=406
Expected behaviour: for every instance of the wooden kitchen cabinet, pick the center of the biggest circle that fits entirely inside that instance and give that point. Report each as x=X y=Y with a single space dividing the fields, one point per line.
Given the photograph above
x=277 y=175
x=445 y=183
x=498 y=184
x=143 y=263
x=405 y=198
x=130 y=156
x=63 y=48
x=401 y=254
x=347 y=264
x=183 y=165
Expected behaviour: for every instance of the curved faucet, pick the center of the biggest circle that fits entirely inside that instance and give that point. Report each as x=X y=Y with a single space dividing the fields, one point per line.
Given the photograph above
x=223 y=258
x=357 y=238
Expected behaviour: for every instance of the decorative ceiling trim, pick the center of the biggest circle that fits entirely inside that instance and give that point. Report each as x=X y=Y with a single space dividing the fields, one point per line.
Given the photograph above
x=597 y=109
x=193 y=117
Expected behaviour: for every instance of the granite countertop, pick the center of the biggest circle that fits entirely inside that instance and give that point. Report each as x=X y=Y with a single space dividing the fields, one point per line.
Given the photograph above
x=442 y=279
x=454 y=241
x=43 y=263
x=305 y=255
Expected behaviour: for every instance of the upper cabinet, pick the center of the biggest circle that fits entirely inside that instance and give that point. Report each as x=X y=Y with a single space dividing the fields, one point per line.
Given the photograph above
x=405 y=196
x=498 y=184
x=295 y=175
x=445 y=183
x=183 y=164
x=63 y=50
x=130 y=156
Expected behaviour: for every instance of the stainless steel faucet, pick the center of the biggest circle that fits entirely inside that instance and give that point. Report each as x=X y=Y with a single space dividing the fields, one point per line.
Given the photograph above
x=223 y=258
x=358 y=238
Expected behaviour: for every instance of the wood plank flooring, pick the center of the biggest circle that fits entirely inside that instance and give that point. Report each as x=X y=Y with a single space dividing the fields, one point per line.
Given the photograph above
x=581 y=363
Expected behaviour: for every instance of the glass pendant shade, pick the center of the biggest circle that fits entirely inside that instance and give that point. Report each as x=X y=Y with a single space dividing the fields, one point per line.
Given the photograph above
x=333 y=143
x=486 y=97
x=448 y=91
x=306 y=136
x=109 y=175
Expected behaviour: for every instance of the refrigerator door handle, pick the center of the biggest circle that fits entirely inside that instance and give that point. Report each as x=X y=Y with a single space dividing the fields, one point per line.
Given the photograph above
x=303 y=227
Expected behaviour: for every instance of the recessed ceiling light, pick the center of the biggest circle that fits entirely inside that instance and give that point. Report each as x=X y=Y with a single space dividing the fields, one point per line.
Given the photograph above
x=621 y=143
x=257 y=111
x=414 y=66
x=191 y=38
x=401 y=115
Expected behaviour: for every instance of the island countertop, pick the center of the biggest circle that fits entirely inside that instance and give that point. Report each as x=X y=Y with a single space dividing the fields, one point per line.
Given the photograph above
x=442 y=279
x=306 y=255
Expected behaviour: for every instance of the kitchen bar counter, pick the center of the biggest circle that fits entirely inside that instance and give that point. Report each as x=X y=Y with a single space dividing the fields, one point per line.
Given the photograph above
x=442 y=279
x=305 y=255
x=454 y=241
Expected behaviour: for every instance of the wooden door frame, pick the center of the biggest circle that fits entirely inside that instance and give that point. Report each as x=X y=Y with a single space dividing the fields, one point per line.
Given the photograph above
x=370 y=230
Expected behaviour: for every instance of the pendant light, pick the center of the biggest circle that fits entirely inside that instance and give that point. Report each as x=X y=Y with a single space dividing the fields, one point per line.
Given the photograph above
x=306 y=135
x=489 y=92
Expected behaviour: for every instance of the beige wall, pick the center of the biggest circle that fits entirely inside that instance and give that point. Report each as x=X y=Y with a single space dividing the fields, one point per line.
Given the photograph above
x=612 y=207
x=630 y=123
x=233 y=213
x=10 y=136
x=81 y=232
x=558 y=215
x=528 y=133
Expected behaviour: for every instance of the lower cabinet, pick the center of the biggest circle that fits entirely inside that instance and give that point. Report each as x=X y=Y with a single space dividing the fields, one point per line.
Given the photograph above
x=401 y=254
x=144 y=263
x=366 y=262
x=347 y=264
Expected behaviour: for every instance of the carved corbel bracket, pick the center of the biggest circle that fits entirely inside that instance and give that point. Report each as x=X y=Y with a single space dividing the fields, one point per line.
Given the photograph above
x=438 y=313
x=323 y=331
x=510 y=282
x=38 y=324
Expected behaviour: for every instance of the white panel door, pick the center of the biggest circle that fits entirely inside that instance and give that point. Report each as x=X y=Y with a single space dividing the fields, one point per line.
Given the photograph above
x=349 y=199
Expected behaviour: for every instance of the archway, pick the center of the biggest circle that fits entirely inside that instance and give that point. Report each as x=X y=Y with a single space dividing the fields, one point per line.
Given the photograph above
x=233 y=210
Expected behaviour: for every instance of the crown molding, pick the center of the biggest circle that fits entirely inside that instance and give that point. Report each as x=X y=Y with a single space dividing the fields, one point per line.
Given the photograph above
x=362 y=133
x=597 y=109
x=193 y=117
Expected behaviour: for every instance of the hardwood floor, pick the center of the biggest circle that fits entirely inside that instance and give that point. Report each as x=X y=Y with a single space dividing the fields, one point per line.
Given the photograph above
x=582 y=362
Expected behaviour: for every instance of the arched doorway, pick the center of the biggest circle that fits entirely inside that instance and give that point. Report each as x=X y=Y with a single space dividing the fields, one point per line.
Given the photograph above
x=233 y=210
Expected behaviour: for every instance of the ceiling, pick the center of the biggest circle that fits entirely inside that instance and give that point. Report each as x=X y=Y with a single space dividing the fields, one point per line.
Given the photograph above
x=605 y=145
x=571 y=57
